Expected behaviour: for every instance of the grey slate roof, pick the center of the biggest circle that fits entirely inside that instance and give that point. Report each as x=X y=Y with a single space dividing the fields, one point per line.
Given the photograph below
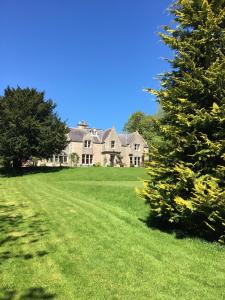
x=77 y=135
x=124 y=138
x=105 y=134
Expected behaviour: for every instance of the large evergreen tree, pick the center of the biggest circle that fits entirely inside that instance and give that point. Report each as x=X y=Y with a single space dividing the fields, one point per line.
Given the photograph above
x=187 y=181
x=29 y=126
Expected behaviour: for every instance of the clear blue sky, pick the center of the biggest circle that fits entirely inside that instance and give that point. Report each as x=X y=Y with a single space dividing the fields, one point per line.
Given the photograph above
x=92 y=57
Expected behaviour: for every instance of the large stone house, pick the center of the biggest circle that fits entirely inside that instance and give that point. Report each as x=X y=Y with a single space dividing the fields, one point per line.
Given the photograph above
x=102 y=147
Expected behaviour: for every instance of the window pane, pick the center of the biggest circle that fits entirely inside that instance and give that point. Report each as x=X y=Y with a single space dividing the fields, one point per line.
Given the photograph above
x=87 y=144
x=136 y=146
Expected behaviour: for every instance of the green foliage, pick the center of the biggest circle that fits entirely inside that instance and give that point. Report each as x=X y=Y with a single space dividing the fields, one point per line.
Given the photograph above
x=29 y=126
x=147 y=126
x=74 y=158
x=134 y=121
x=187 y=181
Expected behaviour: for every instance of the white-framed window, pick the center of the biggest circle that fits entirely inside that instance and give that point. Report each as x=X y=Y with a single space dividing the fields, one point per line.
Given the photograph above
x=63 y=158
x=112 y=144
x=87 y=144
x=136 y=146
x=87 y=159
x=137 y=161
x=59 y=158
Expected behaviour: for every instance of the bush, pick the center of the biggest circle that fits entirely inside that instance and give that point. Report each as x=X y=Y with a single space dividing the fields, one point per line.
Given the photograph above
x=98 y=164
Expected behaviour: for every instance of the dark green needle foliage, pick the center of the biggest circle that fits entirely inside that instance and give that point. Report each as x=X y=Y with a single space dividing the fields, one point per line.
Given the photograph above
x=29 y=127
x=187 y=181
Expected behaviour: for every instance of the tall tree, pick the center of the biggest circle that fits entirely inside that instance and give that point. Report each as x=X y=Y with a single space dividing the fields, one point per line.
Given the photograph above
x=134 y=122
x=144 y=124
x=29 y=126
x=187 y=182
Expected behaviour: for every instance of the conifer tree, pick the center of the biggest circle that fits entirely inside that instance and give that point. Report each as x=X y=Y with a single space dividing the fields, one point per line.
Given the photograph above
x=187 y=180
x=29 y=127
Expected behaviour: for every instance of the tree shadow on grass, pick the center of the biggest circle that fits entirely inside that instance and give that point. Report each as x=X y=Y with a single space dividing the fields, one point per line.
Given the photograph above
x=33 y=293
x=156 y=224
x=17 y=229
x=176 y=230
x=10 y=172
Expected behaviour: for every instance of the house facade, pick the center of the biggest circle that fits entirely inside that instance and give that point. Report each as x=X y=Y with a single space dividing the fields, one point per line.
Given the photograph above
x=101 y=147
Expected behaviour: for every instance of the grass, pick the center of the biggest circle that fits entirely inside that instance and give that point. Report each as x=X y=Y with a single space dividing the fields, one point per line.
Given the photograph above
x=78 y=234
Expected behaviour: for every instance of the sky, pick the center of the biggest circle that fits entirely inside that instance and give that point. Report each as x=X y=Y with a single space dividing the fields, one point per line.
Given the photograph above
x=93 y=58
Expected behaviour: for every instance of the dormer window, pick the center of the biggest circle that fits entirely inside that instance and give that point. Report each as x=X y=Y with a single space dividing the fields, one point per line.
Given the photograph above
x=136 y=146
x=112 y=144
x=87 y=144
x=94 y=132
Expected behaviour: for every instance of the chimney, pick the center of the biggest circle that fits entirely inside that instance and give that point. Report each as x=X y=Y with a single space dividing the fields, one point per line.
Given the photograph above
x=82 y=125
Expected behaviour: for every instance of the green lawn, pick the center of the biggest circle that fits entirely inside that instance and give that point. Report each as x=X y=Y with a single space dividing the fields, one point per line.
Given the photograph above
x=78 y=234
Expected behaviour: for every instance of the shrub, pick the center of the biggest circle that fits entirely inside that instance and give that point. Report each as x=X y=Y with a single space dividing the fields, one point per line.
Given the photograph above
x=98 y=164
x=74 y=158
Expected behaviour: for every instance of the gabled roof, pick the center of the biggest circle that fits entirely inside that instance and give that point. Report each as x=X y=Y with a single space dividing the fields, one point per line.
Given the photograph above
x=78 y=135
x=105 y=134
x=125 y=138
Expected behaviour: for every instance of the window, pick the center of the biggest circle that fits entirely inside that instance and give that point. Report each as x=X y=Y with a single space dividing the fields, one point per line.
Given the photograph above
x=83 y=159
x=87 y=159
x=136 y=146
x=63 y=159
x=87 y=144
x=137 y=161
x=112 y=144
x=131 y=160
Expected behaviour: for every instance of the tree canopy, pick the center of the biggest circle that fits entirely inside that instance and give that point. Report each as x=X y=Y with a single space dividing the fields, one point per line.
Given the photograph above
x=29 y=126
x=144 y=124
x=187 y=181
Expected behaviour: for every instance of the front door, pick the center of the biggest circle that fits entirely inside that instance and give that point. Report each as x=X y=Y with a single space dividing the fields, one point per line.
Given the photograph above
x=112 y=159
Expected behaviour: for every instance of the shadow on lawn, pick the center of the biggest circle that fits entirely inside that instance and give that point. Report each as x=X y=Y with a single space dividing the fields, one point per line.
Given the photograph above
x=17 y=230
x=10 y=172
x=34 y=293
x=177 y=231
x=165 y=227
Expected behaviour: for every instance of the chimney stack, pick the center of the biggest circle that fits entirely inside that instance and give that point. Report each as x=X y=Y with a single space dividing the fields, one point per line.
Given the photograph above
x=82 y=125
